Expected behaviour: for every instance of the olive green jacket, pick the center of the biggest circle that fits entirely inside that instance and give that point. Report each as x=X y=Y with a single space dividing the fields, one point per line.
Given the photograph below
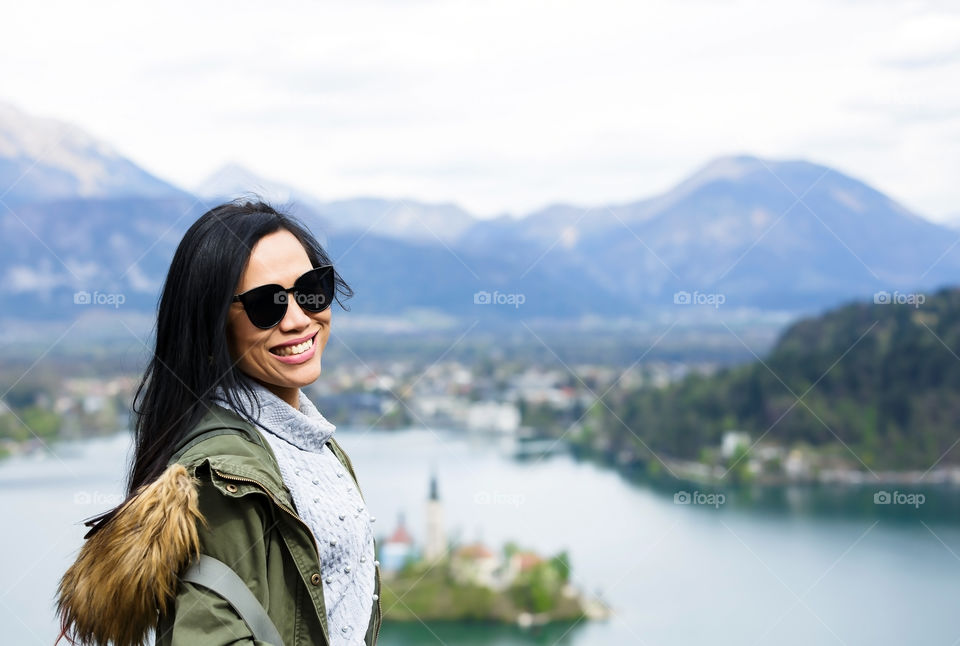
x=222 y=495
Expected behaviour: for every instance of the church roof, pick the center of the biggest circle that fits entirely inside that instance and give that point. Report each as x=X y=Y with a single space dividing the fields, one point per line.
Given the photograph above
x=475 y=551
x=400 y=535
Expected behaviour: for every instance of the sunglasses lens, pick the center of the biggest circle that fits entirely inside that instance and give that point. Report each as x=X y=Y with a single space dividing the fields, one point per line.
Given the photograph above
x=266 y=305
x=314 y=290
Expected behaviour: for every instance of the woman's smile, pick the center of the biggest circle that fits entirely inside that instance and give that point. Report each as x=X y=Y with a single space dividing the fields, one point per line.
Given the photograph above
x=295 y=351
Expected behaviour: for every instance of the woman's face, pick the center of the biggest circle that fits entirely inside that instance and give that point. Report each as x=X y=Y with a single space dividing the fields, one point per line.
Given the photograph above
x=278 y=258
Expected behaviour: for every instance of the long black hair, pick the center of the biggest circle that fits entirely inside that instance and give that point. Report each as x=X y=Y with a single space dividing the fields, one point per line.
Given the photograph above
x=191 y=357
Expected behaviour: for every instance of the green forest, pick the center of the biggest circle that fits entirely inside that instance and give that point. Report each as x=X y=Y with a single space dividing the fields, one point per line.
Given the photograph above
x=875 y=381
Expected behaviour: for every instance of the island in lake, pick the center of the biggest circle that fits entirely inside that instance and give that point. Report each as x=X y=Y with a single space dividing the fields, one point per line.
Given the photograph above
x=445 y=581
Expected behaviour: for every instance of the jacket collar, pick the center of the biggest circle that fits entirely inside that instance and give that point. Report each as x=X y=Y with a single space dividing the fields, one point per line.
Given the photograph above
x=252 y=459
x=305 y=428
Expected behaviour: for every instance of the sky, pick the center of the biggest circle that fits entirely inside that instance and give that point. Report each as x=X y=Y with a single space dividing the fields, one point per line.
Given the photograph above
x=501 y=107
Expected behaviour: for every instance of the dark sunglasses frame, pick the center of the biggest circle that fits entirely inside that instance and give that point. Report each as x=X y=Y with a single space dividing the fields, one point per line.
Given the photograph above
x=266 y=305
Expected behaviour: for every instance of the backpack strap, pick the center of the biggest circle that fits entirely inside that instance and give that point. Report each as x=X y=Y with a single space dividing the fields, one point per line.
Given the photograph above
x=219 y=577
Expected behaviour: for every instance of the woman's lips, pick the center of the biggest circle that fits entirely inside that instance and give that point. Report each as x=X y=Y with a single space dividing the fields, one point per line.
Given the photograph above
x=305 y=354
x=293 y=342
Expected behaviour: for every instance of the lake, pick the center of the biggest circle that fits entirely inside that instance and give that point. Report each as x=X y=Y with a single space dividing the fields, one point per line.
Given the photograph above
x=788 y=566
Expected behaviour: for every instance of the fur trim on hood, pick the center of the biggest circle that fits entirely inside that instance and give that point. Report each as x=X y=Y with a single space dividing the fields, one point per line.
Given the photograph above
x=127 y=571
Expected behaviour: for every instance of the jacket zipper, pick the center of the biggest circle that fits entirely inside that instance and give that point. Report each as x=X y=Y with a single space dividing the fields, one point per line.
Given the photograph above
x=309 y=531
x=376 y=635
x=278 y=503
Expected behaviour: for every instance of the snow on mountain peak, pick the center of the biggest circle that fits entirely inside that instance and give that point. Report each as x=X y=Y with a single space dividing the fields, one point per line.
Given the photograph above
x=66 y=161
x=55 y=143
x=232 y=179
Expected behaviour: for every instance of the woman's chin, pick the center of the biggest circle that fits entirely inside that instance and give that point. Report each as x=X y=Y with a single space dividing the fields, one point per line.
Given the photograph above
x=298 y=376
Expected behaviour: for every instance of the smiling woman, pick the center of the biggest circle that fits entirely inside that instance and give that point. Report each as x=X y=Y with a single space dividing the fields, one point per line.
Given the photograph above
x=286 y=355
x=244 y=520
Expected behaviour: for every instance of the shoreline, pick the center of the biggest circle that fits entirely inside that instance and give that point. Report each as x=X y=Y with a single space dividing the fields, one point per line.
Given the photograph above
x=700 y=473
x=673 y=468
x=691 y=471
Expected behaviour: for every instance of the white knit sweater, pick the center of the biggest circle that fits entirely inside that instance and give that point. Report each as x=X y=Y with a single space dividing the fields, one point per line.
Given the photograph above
x=328 y=502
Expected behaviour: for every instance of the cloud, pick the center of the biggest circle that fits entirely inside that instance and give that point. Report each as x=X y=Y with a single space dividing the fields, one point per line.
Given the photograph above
x=500 y=106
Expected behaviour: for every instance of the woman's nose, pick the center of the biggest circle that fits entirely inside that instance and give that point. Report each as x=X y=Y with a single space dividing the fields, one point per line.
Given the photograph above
x=295 y=318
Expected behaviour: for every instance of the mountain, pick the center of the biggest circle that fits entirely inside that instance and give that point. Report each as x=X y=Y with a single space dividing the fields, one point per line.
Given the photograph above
x=788 y=235
x=45 y=159
x=52 y=250
x=233 y=180
x=403 y=219
x=878 y=383
x=952 y=221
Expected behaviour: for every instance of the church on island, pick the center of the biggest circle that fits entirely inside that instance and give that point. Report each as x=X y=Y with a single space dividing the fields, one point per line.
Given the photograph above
x=531 y=589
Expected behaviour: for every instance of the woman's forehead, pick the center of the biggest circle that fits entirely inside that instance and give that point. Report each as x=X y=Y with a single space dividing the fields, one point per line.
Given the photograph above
x=276 y=258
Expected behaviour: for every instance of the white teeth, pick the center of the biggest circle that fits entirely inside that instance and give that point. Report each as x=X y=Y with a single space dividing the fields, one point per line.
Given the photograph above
x=300 y=348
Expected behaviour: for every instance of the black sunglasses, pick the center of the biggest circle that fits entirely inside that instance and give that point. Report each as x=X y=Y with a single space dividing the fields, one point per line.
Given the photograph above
x=266 y=305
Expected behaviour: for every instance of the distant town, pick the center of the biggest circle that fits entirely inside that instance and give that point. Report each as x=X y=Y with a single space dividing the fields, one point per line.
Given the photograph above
x=504 y=399
x=654 y=418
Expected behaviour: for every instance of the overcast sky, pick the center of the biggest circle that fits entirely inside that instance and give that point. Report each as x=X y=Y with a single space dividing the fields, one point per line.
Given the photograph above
x=501 y=106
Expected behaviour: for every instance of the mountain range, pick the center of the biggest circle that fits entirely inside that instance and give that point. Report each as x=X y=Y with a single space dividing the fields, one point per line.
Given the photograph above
x=742 y=232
